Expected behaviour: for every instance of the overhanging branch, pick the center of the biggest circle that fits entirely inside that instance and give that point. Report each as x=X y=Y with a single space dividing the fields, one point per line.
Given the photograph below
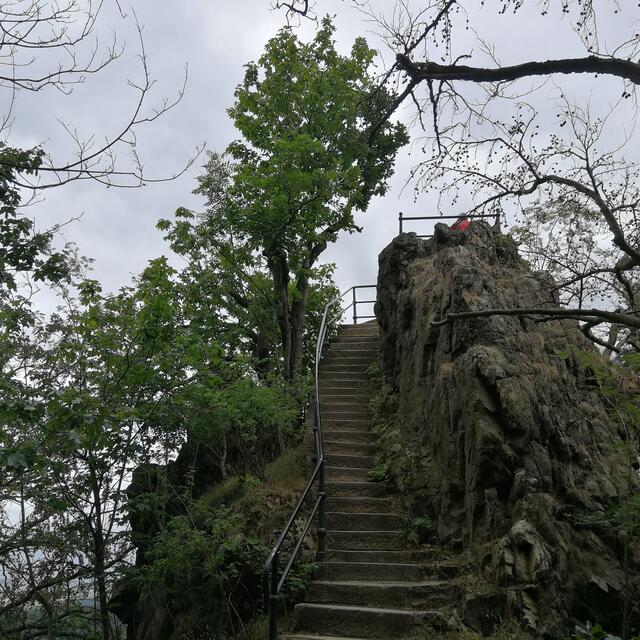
x=595 y=316
x=419 y=71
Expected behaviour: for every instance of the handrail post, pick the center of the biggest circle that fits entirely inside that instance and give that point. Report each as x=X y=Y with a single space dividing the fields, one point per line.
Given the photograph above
x=322 y=531
x=400 y=222
x=273 y=599
x=316 y=429
x=355 y=313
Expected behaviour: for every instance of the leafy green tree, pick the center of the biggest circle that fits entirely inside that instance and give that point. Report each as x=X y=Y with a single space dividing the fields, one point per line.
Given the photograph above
x=316 y=147
x=109 y=384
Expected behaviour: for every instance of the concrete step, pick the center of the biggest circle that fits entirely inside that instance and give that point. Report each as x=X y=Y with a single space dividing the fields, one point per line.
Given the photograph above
x=364 y=622
x=363 y=426
x=359 y=505
x=344 y=435
x=328 y=400
x=359 y=394
x=350 y=448
x=327 y=385
x=363 y=346
x=346 y=474
x=355 y=488
x=376 y=571
x=364 y=521
x=304 y=636
x=341 y=339
x=366 y=540
x=429 y=594
x=340 y=377
x=346 y=367
x=359 y=331
x=351 y=461
x=395 y=556
x=351 y=413
x=354 y=413
x=345 y=358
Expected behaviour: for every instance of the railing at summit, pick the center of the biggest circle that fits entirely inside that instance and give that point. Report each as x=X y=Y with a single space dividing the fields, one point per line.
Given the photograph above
x=273 y=578
x=471 y=216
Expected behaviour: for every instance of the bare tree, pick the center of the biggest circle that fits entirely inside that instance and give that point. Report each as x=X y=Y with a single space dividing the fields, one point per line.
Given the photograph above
x=487 y=139
x=47 y=45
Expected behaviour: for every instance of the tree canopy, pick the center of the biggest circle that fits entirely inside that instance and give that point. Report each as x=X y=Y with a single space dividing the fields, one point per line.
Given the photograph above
x=308 y=160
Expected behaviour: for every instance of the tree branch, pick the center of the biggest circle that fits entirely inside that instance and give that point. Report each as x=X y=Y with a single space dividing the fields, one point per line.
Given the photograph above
x=419 y=71
x=590 y=315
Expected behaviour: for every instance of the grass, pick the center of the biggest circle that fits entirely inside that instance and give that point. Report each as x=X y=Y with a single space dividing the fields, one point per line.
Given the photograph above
x=287 y=472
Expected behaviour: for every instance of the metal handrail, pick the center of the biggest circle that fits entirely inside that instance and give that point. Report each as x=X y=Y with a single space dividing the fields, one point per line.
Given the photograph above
x=273 y=581
x=402 y=218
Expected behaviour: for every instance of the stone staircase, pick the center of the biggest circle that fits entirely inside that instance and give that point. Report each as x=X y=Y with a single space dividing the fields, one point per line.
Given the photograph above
x=368 y=584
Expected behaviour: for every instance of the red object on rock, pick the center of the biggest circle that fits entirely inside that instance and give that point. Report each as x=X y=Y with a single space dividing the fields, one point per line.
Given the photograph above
x=460 y=224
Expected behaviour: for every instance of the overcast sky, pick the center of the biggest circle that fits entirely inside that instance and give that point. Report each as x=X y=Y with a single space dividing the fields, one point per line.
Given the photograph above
x=216 y=38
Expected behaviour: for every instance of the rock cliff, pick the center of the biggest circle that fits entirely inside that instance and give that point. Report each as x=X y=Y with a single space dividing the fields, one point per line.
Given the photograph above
x=500 y=440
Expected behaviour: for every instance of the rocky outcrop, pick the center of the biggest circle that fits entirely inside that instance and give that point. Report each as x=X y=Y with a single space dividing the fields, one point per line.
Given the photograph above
x=499 y=439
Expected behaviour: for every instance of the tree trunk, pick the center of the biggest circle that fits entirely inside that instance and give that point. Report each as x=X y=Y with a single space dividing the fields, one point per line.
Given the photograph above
x=277 y=261
x=100 y=558
x=298 y=309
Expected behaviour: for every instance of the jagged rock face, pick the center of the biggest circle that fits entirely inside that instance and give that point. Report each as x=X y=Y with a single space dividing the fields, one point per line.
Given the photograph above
x=499 y=439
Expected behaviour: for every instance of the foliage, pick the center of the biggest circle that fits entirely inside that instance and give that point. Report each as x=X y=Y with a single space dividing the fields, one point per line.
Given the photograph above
x=419 y=530
x=380 y=473
x=211 y=559
x=22 y=249
x=316 y=147
x=618 y=388
x=287 y=470
x=108 y=384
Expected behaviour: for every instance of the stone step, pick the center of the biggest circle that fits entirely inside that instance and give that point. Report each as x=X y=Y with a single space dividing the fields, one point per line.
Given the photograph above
x=359 y=505
x=346 y=367
x=359 y=396
x=356 y=387
x=346 y=474
x=333 y=424
x=343 y=435
x=329 y=400
x=345 y=411
x=355 y=488
x=337 y=378
x=395 y=556
x=364 y=622
x=351 y=461
x=361 y=328
x=365 y=347
x=341 y=339
x=304 y=636
x=354 y=413
x=429 y=594
x=350 y=448
x=366 y=334
x=366 y=540
x=364 y=521
x=336 y=358
x=376 y=571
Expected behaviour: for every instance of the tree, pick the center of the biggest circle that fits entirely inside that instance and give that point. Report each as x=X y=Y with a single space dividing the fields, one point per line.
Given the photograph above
x=112 y=384
x=521 y=162
x=306 y=163
x=53 y=46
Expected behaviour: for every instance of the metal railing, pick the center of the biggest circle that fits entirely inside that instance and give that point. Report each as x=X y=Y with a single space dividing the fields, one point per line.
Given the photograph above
x=471 y=216
x=355 y=302
x=273 y=579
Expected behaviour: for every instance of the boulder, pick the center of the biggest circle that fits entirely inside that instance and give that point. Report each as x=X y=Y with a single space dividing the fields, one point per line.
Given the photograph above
x=499 y=437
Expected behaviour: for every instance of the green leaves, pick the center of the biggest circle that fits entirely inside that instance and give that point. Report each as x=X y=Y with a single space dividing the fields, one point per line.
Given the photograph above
x=307 y=161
